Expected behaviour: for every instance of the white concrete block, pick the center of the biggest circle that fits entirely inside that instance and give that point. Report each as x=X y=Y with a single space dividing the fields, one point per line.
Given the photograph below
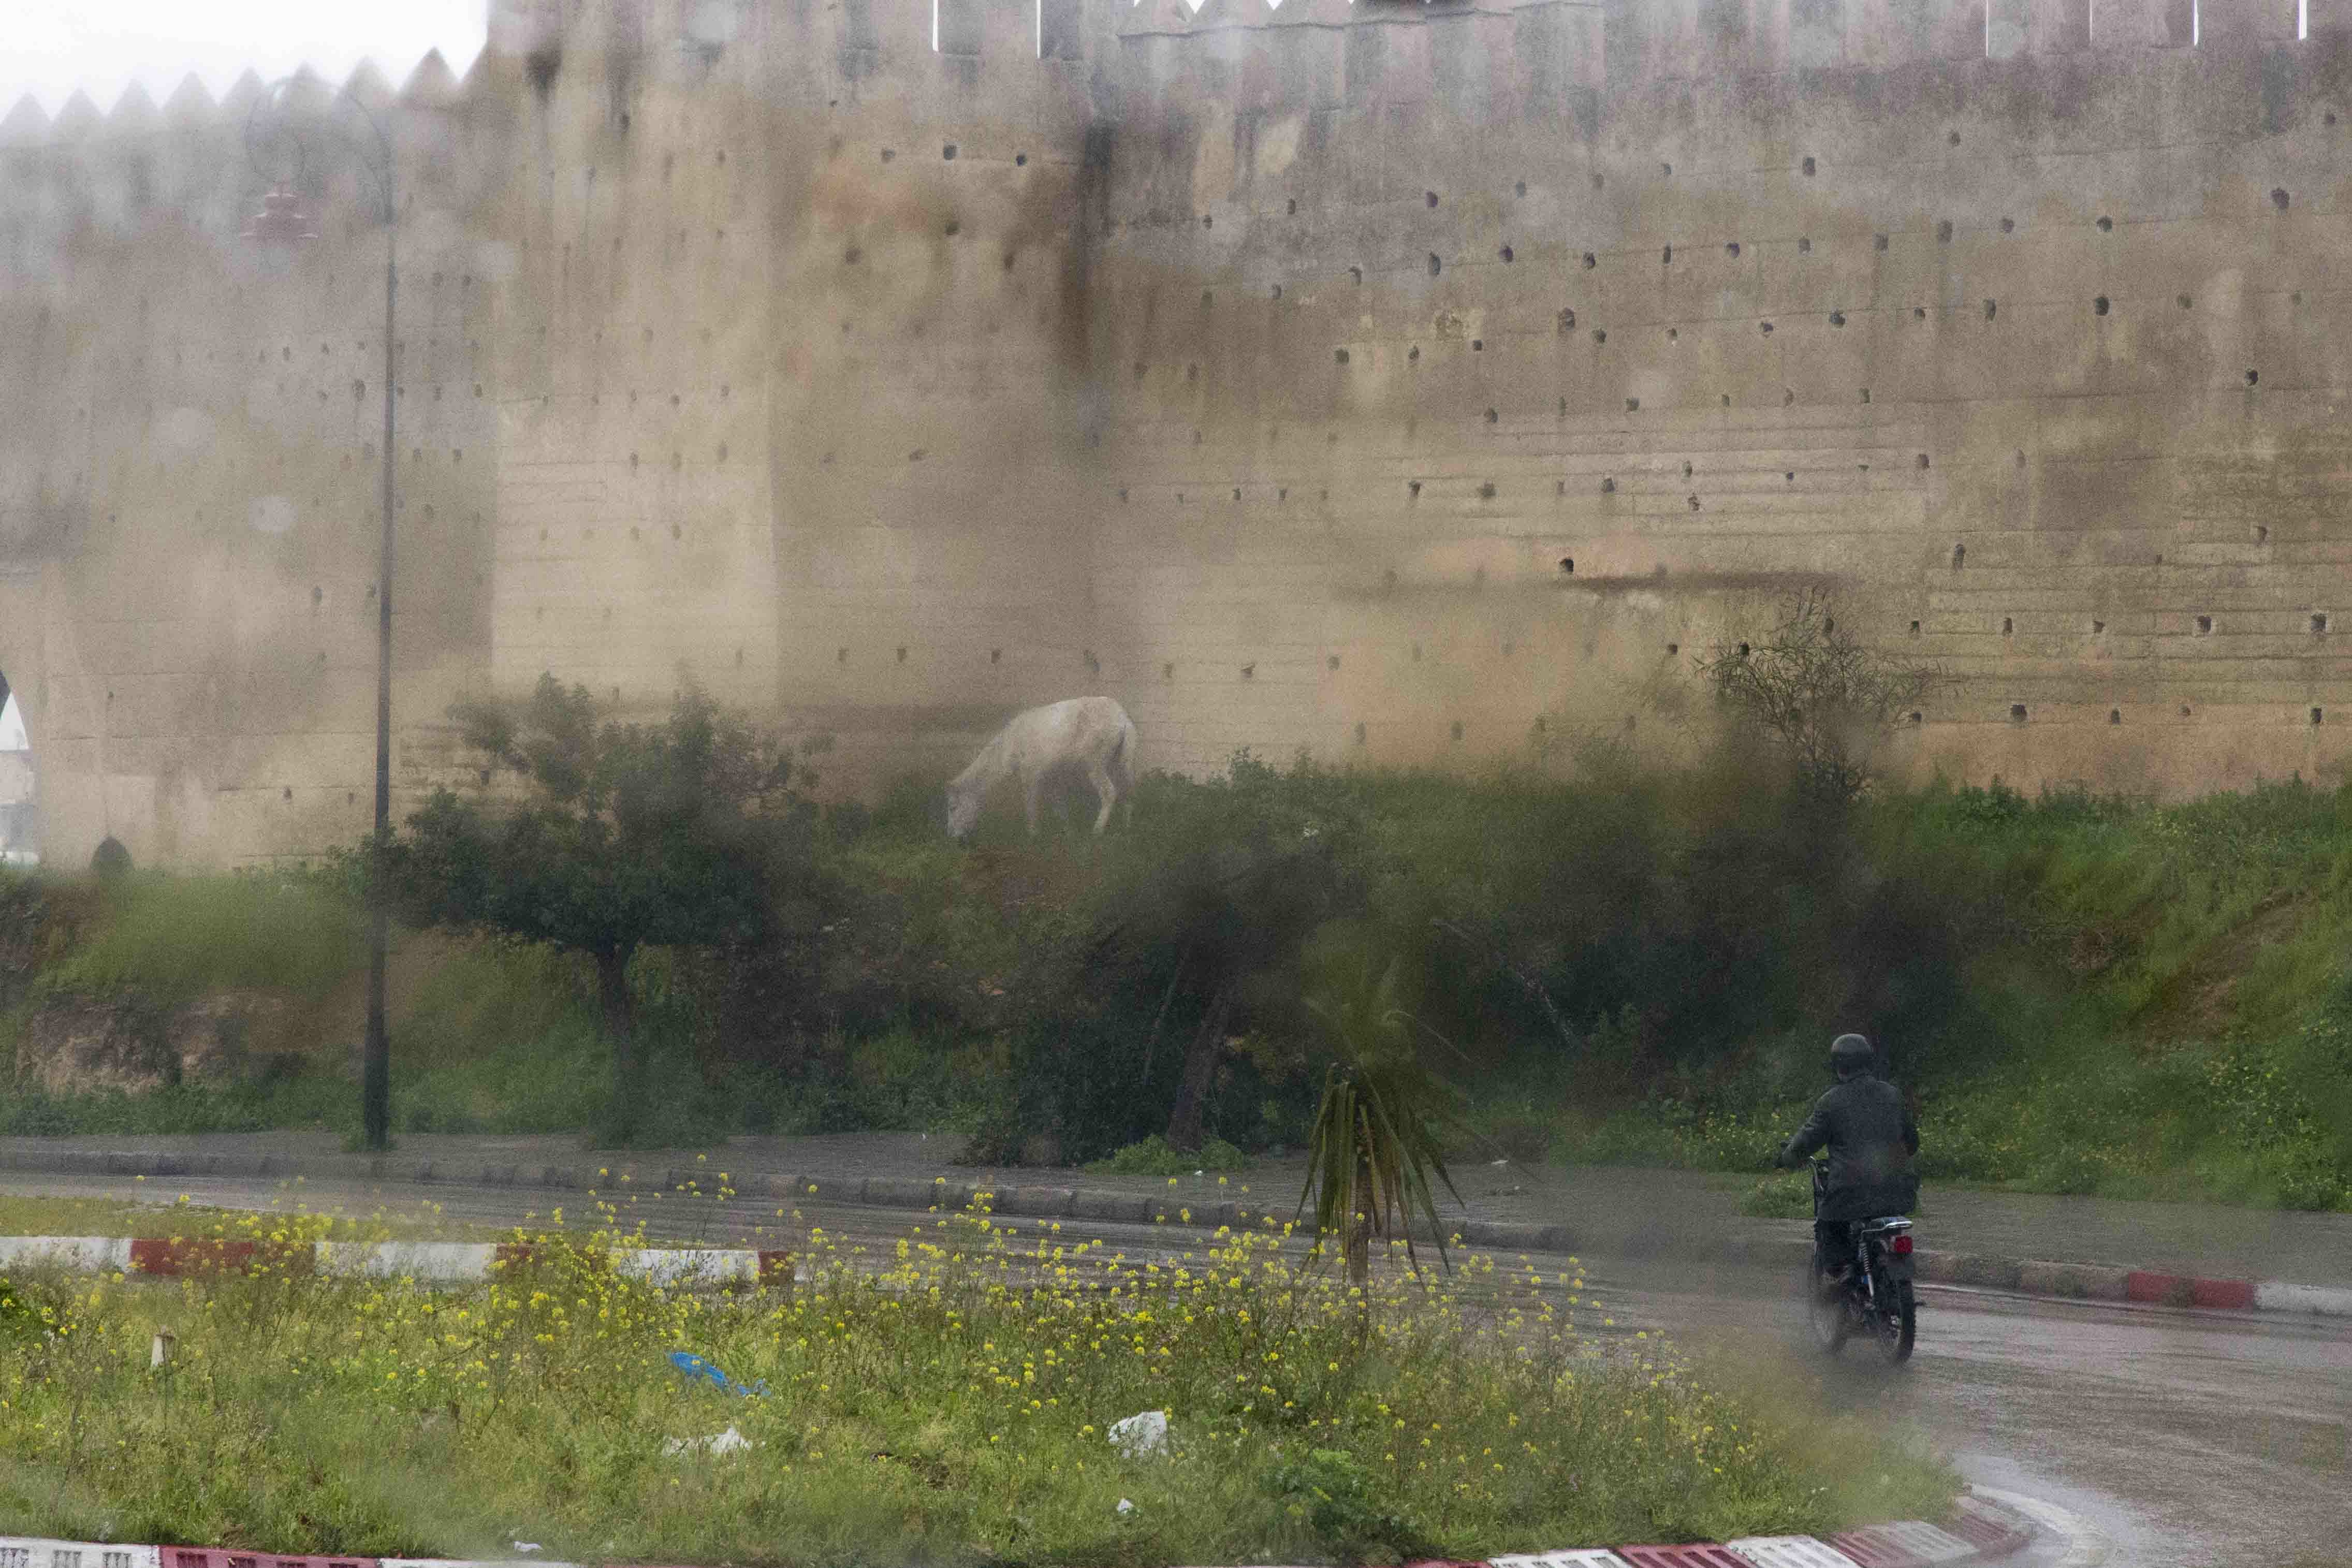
x=1790 y=1551
x=82 y=1254
x=689 y=1265
x=2319 y=1298
x=409 y=1259
x=37 y=1551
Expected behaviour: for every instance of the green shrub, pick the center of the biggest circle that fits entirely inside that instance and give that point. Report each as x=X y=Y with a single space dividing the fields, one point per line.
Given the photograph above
x=1153 y=1156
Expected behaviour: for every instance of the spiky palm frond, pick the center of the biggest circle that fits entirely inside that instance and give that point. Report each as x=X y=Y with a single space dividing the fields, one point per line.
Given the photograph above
x=1376 y=1141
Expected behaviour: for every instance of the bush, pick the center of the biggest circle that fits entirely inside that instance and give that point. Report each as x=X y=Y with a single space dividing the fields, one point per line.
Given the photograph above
x=1153 y=1156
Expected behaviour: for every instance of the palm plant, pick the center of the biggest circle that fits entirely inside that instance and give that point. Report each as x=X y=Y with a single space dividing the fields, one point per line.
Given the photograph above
x=1377 y=1136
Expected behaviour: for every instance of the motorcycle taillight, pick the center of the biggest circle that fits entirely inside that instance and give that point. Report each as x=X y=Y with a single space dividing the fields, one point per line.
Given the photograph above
x=1902 y=1245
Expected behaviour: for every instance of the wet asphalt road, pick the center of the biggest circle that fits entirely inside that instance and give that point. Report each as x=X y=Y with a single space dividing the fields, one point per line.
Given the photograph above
x=2190 y=1441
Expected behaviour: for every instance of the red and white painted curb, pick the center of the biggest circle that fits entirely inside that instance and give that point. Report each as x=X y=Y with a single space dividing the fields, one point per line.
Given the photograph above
x=425 y=1261
x=464 y=1261
x=1979 y=1532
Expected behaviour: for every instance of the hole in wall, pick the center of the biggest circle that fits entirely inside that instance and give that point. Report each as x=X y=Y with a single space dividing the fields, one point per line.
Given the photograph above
x=1914 y=628
x=2319 y=625
x=2316 y=716
x=2007 y=626
x=1506 y=256
x=1991 y=310
x=2204 y=626
x=1591 y=261
x=2278 y=200
x=1429 y=197
x=2009 y=226
x=1809 y=166
x=2115 y=716
x=1341 y=355
x=2017 y=713
x=1732 y=250
x=1435 y=266
x=1944 y=232
x=1837 y=318
x=2253 y=377
x=2099 y=306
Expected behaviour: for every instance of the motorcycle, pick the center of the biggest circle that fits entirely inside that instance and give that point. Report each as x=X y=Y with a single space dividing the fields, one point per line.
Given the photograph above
x=1876 y=1298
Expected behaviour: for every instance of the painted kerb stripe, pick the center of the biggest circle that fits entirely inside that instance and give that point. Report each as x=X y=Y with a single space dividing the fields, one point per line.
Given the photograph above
x=82 y=1254
x=1790 y=1551
x=40 y=1552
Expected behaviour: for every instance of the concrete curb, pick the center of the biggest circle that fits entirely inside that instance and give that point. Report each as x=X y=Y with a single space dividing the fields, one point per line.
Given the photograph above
x=427 y=1260
x=1980 y=1532
x=2076 y=1282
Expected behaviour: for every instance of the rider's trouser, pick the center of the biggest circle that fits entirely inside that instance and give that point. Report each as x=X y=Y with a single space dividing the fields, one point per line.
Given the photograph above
x=1835 y=1238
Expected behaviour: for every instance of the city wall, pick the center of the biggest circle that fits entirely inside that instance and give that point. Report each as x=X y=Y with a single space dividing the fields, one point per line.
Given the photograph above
x=1401 y=381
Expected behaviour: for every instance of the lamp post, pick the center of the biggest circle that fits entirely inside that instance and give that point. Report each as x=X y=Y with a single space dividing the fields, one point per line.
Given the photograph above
x=274 y=120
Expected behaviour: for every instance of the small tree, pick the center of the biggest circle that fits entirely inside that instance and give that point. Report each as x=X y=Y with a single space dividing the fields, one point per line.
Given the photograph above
x=1820 y=693
x=1377 y=1136
x=613 y=838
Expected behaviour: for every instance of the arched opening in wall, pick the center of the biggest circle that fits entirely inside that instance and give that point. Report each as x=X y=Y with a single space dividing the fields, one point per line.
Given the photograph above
x=20 y=821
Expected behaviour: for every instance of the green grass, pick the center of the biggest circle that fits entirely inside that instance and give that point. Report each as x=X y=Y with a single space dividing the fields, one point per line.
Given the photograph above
x=953 y=1408
x=172 y=938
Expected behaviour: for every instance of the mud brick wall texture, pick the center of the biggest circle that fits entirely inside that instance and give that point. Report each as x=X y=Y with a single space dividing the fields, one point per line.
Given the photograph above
x=1401 y=382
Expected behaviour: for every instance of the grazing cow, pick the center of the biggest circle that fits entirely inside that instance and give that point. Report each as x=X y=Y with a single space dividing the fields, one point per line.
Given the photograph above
x=1089 y=734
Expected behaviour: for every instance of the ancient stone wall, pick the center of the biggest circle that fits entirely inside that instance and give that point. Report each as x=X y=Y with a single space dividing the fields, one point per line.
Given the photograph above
x=1396 y=380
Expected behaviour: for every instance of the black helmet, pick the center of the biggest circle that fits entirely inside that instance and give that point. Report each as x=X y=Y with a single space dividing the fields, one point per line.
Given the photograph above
x=1850 y=1054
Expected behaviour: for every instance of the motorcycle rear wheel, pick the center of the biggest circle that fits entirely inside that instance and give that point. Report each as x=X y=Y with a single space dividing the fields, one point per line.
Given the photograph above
x=1825 y=1311
x=1896 y=1325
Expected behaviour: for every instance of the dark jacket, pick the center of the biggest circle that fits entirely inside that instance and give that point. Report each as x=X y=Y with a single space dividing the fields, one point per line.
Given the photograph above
x=1870 y=1137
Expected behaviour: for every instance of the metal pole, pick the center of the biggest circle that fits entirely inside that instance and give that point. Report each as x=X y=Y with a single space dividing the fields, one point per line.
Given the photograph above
x=375 y=1070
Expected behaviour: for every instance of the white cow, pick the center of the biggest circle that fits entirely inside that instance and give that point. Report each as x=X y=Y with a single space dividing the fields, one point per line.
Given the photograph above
x=1092 y=734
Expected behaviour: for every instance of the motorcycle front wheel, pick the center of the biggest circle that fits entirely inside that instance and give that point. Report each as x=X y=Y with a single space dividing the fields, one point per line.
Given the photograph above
x=1825 y=1311
x=1896 y=1324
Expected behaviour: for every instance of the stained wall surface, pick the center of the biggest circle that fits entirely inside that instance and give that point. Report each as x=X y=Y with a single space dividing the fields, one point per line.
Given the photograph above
x=1398 y=381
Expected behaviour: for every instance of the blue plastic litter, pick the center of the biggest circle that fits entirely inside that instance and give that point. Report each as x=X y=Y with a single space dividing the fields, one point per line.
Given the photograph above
x=694 y=1367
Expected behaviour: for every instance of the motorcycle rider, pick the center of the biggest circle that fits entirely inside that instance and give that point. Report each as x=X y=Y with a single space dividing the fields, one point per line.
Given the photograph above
x=1870 y=1137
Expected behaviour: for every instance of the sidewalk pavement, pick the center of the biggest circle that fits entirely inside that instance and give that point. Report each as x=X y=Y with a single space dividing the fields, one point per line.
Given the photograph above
x=1601 y=1210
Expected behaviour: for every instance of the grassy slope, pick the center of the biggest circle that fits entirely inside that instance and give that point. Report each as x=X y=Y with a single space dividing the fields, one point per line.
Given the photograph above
x=2150 y=999
x=2162 y=1005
